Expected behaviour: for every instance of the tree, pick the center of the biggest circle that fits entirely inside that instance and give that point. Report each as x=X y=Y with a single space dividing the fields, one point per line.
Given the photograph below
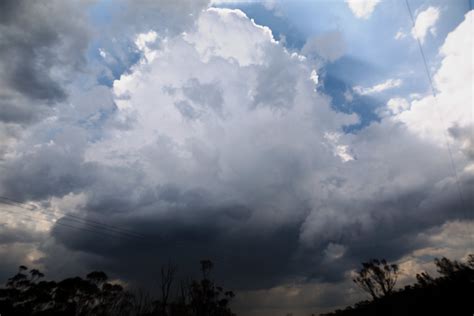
x=26 y=293
x=167 y=278
x=377 y=277
x=449 y=293
x=206 y=298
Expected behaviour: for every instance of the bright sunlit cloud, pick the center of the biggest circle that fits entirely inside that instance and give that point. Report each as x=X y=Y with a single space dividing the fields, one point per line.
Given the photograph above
x=362 y=9
x=387 y=85
x=425 y=23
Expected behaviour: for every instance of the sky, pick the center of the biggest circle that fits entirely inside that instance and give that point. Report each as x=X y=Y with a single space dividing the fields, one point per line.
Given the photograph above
x=288 y=141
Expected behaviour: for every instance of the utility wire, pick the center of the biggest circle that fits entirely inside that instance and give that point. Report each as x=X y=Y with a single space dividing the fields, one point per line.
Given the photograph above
x=75 y=218
x=144 y=242
x=36 y=218
x=433 y=91
x=79 y=220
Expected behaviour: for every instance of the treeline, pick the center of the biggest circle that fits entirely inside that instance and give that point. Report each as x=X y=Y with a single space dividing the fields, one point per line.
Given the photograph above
x=452 y=293
x=26 y=293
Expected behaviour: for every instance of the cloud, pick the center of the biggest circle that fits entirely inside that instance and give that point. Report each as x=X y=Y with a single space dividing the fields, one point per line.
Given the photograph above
x=362 y=9
x=314 y=77
x=431 y=117
x=425 y=22
x=328 y=46
x=211 y=40
x=180 y=138
x=341 y=151
x=216 y=144
x=400 y=35
x=394 y=106
x=389 y=84
x=194 y=177
x=450 y=240
x=40 y=46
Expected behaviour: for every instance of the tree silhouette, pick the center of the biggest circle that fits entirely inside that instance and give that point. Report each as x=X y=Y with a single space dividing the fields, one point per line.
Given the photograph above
x=207 y=299
x=377 y=277
x=27 y=294
x=168 y=273
x=450 y=293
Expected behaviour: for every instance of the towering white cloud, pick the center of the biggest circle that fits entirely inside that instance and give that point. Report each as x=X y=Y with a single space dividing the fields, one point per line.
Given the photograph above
x=227 y=113
x=451 y=110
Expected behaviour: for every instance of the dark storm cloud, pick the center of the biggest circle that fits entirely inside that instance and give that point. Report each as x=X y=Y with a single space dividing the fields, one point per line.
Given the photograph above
x=46 y=171
x=184 y=227
x=41 y=43
x=245 y=258
x=16 y=110
x=9 y=235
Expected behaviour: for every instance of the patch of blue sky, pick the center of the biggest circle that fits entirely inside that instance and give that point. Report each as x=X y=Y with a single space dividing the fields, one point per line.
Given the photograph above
x=282 y=28
x=344 y=100
x=101 y=12
x=109 y=54
x=373 y=54
x=94 y=124
x=110 y=58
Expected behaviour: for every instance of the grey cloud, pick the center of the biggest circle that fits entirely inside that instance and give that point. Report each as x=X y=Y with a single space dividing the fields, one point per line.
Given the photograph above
x=245 y=258
x=18 y=110
x=200 y=98
x=167 y=15
x=186 y=226
x=186 y=109
x=43 y=173
x=41 y=45
x=329 y=46
x=204 y=94
x=17 y=235
x=276 y=86
x=463 y=134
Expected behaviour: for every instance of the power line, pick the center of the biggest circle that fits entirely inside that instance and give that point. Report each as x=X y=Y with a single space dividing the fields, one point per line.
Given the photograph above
x=142 y=242
x=36 y=218
x=77 y=219
x=433 y=91
x=28 y=207
x=82 y=222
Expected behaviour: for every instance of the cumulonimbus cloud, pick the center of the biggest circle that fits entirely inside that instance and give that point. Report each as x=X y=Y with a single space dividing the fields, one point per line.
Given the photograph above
x=216 y=144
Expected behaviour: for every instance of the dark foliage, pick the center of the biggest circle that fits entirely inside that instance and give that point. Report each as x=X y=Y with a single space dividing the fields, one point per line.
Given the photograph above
x=377 y=277
x=27 y=294
x=452 y=293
